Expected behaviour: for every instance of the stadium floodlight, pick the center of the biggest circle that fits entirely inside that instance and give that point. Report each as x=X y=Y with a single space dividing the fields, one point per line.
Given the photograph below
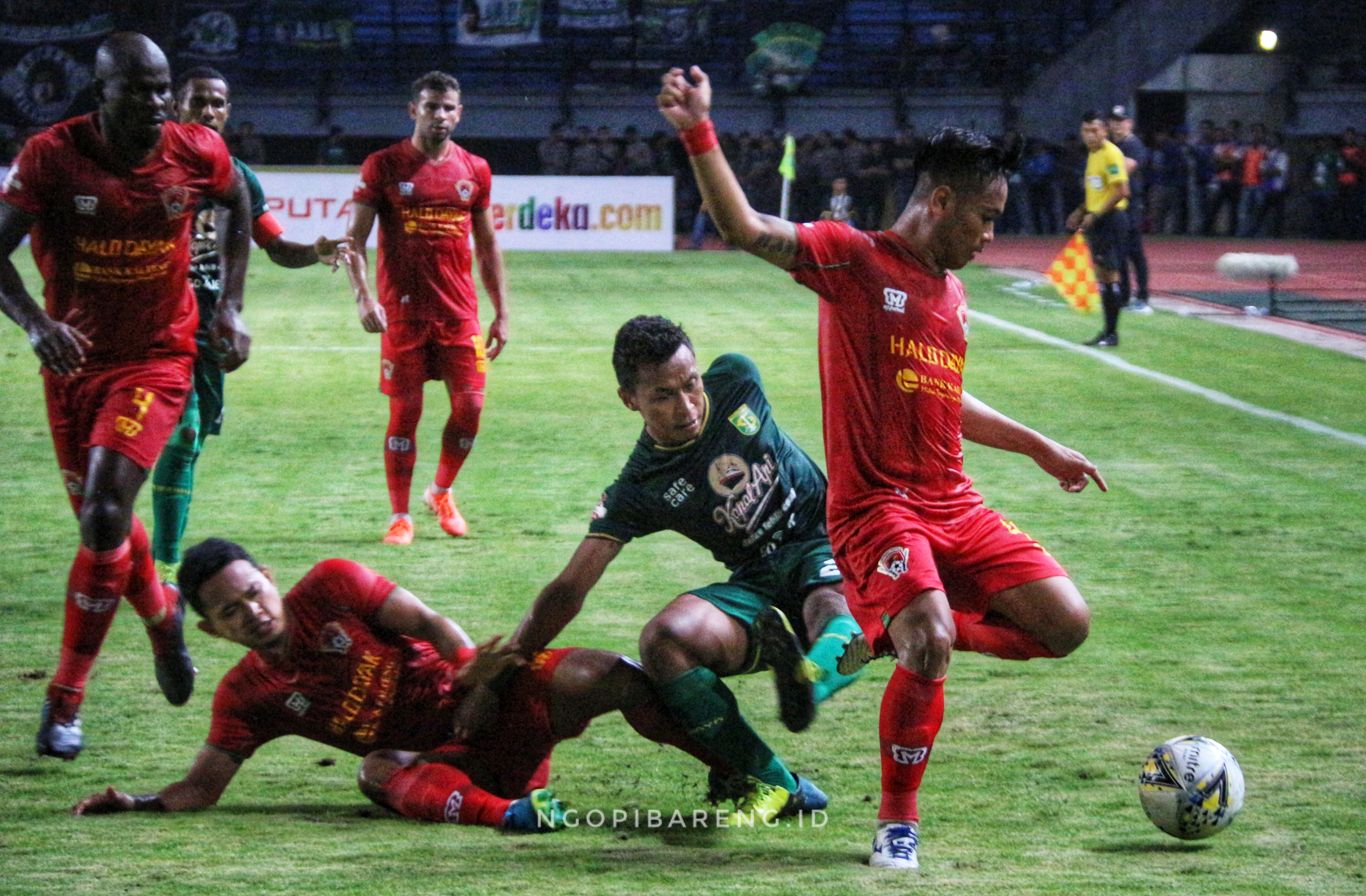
x=1267 y=39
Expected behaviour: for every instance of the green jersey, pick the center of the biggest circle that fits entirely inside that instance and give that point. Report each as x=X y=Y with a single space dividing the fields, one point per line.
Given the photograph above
x=741 y=489
x=206 y=269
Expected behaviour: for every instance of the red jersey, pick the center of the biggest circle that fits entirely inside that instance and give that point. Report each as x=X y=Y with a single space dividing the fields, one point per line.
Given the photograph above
x=343 y=682
x=893 y=341
x=113 y=243
x=425 y=212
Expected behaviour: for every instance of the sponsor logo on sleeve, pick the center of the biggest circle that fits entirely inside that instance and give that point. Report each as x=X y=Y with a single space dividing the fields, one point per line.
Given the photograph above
x=405 y=188
x=85 y=205
x=894 y=300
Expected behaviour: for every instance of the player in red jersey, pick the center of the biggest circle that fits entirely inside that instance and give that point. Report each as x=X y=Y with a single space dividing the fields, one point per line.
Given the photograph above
x=927 y=566
x=352 y=660
x=107 y=199
x=430 y=195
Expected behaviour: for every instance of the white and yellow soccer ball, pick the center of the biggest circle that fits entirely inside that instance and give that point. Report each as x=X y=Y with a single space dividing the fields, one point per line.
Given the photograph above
x=1191 y=787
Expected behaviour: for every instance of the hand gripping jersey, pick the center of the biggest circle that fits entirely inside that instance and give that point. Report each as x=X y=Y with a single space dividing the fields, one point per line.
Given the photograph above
x=425 y=210
x=112 y=243
x=741 y=489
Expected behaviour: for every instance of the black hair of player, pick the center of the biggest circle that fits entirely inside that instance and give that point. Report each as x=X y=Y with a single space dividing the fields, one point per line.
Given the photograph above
x=1091 y=115
x=645 y=341
x=436 y=82
x=204 y=561
x=198 y=73
x=965 y=161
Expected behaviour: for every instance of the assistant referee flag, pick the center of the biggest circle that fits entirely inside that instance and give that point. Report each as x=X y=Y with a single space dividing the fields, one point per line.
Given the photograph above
x=1075 y=276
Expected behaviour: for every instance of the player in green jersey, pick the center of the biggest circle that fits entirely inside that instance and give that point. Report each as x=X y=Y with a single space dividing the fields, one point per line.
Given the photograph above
x=712 y=465
x=202 y=98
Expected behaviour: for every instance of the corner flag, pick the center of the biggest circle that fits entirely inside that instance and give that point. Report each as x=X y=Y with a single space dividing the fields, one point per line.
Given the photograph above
x=788 y=169
x=788 y=166
x=1074 y=276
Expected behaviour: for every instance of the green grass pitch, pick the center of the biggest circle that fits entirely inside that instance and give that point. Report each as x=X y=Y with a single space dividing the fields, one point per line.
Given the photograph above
x=1225 y=569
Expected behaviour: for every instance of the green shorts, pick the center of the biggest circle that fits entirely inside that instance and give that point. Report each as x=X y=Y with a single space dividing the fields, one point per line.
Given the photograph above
x=206 y=401
x=782 y=579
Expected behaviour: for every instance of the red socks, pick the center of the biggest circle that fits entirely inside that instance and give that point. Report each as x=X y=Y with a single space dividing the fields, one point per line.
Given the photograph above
x=997 y=638
x=400 y=448
x=144 y=590
x=434 y=791
x=94 y=586
x=912 y=711
x=458 y=437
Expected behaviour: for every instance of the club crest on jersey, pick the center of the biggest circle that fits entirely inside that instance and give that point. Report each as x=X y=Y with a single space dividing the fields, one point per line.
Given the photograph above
x=334 y=639
x=405 y=188
x=386 y=368
x=85 y=205
x=894 y=563
x=894 y=300
x=728 y=474
x=745 y=420
x=963 y=318
x=175 y=198
x=464 y=189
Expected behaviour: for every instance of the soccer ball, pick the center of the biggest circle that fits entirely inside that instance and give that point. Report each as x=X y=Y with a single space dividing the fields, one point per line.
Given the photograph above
x=1191 y=787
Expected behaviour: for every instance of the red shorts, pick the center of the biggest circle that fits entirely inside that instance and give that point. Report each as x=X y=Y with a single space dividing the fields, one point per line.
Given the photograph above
x=892 y=554
x=412 y=352
x=131 y=409
x=513 y=758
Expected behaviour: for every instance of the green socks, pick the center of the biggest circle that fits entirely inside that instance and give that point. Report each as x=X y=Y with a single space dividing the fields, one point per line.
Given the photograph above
x=703 y=703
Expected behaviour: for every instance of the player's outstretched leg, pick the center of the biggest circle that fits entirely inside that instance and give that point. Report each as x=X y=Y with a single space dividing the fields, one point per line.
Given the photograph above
x=427 y=787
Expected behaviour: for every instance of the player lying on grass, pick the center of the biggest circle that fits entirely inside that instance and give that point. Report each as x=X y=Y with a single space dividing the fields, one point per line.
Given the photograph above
x=712 y=465
x=352 y=660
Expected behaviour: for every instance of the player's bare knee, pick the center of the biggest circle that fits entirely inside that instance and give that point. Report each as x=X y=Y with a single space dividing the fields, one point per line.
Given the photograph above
x=1071 y=631
x=664 y=642
x=820 y=606
x=375 y=771
x=105 y=520
x=926 y=648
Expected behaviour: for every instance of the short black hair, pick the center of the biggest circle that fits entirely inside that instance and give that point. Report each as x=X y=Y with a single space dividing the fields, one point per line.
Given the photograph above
x=645 y=340
x=199 y=73
x=966 y=161
x=204 y=561
x=437 y=81
x=1091 y=115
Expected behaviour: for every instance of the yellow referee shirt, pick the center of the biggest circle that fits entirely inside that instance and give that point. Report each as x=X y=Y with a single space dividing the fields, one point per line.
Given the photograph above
x=1105 y=172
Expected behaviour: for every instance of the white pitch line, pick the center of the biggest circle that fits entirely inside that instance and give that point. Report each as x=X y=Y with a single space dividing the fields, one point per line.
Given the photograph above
x=1175 y=382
